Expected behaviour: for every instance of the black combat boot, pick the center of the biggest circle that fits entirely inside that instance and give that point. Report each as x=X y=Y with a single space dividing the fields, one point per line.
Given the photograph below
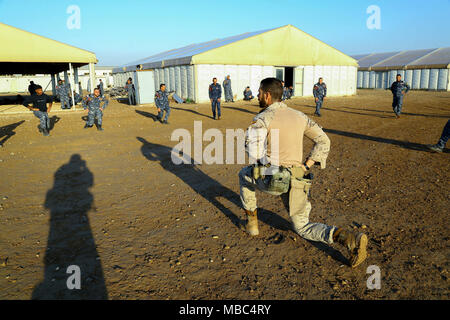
x=45 y=132
x=99 y=127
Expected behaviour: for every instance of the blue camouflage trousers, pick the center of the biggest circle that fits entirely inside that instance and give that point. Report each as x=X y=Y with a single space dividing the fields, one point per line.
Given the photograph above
x=92 y=114
x=43 y=118
x=161 y=113
x=65 y=103
x=319 y=104
x=215 y=105
x=397 y=104
x=445 y=135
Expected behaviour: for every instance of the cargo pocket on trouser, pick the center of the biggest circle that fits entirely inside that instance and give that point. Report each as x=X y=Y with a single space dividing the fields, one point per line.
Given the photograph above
x=299 y=206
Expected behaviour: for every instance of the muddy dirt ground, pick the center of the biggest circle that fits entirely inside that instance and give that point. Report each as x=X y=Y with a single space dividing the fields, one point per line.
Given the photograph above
x=140 y=227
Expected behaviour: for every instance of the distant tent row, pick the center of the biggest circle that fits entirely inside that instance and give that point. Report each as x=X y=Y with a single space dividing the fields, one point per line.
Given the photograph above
x=426 y=69
x=286 y=53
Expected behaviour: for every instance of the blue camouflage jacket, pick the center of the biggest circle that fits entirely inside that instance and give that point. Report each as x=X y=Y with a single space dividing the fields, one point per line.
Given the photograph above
x=215 y=91
x=94 y=103
x=320 y=90
x=162 y=99
x=398 y=86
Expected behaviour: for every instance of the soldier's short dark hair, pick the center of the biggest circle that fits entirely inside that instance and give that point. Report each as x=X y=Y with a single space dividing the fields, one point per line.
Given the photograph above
x=399 y=75
x=161 y=85
x=214 y=78
x=274 y=87
x=37 y=87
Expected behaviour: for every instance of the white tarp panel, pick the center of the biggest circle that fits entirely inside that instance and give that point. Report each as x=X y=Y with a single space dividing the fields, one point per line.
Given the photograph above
x=184 y=79
x=365 y=79
x=161 y=76
x=360 y=79
x=417 y=74
x=372 y=81
x=392 y=77
x=166 y=77
x=156 y=79
x=425 y=78
x=190 y=83
x=351 y=83
x=308 y=82
x=241 y=77
x=434 y=77
x=443 y=79
x=172 y=79
x=178 y=80
x=145 y=87
x=408 y=77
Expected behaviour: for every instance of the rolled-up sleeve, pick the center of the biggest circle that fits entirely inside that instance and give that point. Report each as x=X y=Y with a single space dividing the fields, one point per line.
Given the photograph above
x=322 y=143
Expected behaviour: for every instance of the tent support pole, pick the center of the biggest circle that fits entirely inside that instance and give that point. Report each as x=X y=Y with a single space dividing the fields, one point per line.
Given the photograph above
x=71 y=85
x=92 y=76
x=53 y=77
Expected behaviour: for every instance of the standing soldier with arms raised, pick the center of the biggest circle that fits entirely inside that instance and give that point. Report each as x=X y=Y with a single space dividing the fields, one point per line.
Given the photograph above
x=320 y=93
x=92 y=103
x=399 y=90
x=215 y=93
x=275 y=142
x=40 y=109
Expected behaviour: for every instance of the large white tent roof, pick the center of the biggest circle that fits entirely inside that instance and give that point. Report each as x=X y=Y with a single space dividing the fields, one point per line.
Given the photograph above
x=409 y=59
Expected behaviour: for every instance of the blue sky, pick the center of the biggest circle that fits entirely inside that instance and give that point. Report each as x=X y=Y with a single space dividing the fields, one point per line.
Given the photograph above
x=123 y=31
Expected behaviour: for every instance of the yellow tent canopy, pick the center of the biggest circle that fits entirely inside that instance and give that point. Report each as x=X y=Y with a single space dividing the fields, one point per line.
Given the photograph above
x=284 y=46
x=28 y=53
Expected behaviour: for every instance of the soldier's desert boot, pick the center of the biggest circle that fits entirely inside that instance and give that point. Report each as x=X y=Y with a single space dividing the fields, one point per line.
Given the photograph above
x=356 y=243
x=252 y=222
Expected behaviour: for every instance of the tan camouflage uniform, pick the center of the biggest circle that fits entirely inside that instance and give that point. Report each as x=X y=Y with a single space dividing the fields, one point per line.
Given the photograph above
x=291 y=126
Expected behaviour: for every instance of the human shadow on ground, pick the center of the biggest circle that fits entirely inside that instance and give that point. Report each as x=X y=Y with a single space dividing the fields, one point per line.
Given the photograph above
x=240 y=109
x=403 y=113
x=349 y=112
x=54 y=120
x=147 y=114
x=7 y=131
x=70 y=239
x=193 y=111
x=403 y=144
x=207 y=187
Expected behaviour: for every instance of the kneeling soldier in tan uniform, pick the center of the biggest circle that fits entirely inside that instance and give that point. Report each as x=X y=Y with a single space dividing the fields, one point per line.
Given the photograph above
x=275 y=142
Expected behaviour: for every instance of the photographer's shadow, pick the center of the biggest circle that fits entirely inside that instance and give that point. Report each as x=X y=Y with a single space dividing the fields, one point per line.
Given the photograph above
x=70 y=239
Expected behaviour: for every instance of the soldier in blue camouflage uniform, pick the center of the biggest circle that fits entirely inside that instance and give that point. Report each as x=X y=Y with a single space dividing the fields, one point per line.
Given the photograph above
x=162 y=103
x=248 y=95
x=92 y=102
x=284 y=96
x=131 y=92
x=399 y=89
x=319 y=92
x=62 y=92
x=77 y=98
x=101 y=87
x=228 y=90
x=439 y=147
x=215 y=93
